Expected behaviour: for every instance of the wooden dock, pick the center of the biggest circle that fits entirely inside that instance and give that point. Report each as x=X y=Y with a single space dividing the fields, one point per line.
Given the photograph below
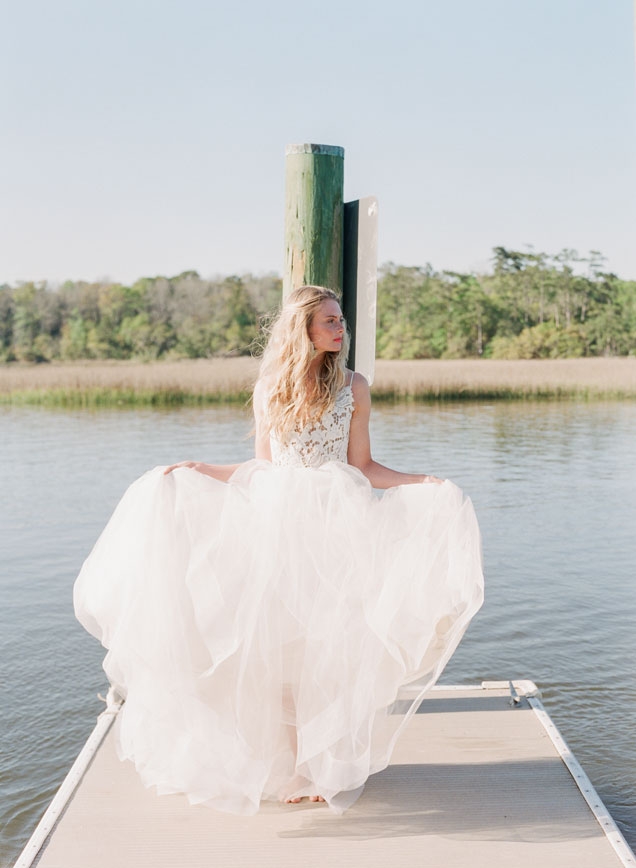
x=480 y=777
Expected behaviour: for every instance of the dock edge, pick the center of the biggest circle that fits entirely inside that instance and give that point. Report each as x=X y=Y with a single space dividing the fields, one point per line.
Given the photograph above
x=69 y=784
x=521 y=689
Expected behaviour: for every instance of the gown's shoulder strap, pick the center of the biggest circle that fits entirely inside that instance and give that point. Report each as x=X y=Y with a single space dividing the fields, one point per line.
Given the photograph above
x=350 y=383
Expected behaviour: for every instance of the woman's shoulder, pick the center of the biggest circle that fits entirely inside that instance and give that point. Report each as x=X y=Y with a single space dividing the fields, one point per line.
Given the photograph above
x=357 y=381
x=262 y=388
x=359 y=388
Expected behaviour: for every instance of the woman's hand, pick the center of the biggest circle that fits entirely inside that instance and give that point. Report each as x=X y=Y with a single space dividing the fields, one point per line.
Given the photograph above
x=434 y=479
x=194 y=465
x=220 y=472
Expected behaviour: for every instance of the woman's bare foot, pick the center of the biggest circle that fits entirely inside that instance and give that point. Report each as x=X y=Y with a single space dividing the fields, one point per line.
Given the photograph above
x=297 y=799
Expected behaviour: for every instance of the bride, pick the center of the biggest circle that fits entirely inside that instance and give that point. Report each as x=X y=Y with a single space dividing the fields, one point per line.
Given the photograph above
x=261 y=617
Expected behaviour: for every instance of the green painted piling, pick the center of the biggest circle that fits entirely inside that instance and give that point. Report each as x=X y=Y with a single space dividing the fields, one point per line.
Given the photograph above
x=314 y=182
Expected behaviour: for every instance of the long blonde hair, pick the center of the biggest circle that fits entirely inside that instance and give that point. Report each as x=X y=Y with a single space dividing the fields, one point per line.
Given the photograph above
x=293 y=397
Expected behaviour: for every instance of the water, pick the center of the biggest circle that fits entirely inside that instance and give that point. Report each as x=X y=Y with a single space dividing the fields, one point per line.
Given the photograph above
x=554 y=486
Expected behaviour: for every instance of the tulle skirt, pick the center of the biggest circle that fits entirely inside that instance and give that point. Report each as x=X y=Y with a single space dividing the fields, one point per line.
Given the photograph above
x=260 y=629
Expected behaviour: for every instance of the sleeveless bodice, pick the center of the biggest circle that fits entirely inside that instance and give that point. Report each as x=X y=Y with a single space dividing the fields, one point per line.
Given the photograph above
x=322 y=440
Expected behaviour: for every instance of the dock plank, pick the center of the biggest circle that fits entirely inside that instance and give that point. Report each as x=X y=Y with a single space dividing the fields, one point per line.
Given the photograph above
x=473 y=782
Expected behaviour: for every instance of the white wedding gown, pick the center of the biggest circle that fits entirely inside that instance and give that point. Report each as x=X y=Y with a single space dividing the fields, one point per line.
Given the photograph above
x=260 y=629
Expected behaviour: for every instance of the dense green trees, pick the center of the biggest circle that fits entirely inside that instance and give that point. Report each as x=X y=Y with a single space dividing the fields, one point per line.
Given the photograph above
x=178 y=317
x=531 y=305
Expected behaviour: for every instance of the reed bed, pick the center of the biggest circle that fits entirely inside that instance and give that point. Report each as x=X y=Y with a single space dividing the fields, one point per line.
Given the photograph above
x=479 y=379
x=94 y=384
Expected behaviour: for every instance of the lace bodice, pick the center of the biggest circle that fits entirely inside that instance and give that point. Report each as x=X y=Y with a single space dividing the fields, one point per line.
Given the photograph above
x=326 y=439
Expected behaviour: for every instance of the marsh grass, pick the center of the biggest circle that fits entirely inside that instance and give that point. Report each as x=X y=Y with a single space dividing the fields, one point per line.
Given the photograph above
x=489 y=379
x=161 y=384
x=197 y=382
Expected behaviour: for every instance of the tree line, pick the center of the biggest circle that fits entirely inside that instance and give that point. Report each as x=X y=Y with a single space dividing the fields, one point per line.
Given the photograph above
x=529 y=305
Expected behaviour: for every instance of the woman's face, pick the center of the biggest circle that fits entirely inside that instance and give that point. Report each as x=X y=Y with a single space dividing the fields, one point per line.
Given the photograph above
x=327 y=327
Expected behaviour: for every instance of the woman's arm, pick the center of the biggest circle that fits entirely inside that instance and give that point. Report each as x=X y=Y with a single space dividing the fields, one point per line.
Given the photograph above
x=222 y=472
x=359 y=452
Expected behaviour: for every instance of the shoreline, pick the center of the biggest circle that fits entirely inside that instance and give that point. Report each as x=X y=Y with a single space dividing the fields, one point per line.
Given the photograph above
x=230 y=380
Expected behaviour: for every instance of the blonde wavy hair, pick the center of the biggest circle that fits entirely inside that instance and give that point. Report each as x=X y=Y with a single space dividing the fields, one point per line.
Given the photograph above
x=295 y=398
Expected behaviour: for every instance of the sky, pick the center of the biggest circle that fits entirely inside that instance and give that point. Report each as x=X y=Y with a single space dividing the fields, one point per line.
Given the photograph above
x=145 y=138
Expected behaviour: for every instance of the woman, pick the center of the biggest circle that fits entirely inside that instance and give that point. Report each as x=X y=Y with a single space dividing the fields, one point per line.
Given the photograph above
x=260 y=629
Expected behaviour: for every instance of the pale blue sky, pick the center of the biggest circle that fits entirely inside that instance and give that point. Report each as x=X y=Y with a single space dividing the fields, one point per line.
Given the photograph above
x=143 y=138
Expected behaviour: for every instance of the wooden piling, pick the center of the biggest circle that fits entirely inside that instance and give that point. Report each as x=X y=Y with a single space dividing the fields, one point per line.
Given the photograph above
x=314 y=183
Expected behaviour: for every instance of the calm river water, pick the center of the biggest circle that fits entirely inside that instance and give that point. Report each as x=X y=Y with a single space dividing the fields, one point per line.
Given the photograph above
x=554 y=486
